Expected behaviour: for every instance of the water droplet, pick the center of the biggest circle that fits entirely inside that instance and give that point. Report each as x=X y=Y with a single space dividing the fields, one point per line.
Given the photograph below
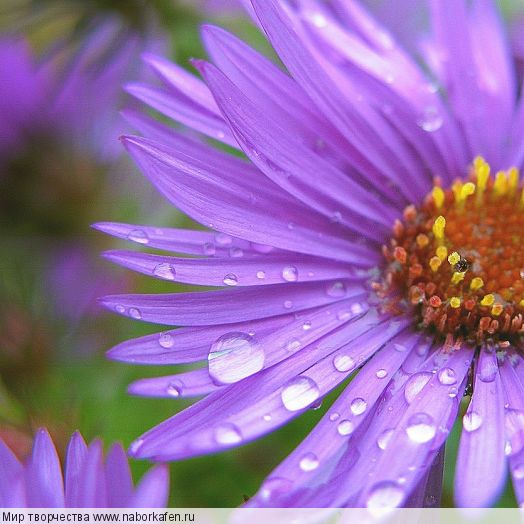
x=358 y=406
x=120 y=309
x=384 y=438
x=267 y=418
x=400 y=347
x=345 y=314
x=166 y=340
x=227 y=433
x=447 y=376
x=487 y=370
x=471 y=421
x=235 y=356
x=174 y=388
x=431 y=119
x=230 y=280
x=136 y=445
x=261 y=275
x=415 y=384
x=343 y=363
x=381 y=373
x=223 y=239
x=235 y=252
x=319 y=20
x=385 y=495
x=421 y=428
x=135 y=313
x=274 y=487
x=309 y=462
x=345 y=427
x=293 y=344
x=262 y=248
x=306 y=326
x=518 y=471
x=299 y=393
x=209 y=249
x=291 y=226
x=336 y=290
x=288 y=304
x=138 y=235
x=389 y=78
x=334 y=416
x=290 y=274
x=165 y=271
x=336 y=217
x=453 y=392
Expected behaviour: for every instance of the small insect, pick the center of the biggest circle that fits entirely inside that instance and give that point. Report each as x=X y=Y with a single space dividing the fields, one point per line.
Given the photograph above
x=462 y=265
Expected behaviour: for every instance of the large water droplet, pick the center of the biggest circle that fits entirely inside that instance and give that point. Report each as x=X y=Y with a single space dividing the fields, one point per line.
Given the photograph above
x=471 y=421
x=447 y=376
x=431 y=119
x=381 y=373
x=227 y=433
x=230 y=280
x=299 y=393
x=235 y=356
x=415 y=384
x=385 y=495
x=487 y=370
x=165 y=271
x=384 y=438
x=166 y=340
x=345 y=427
x=421 y=428
x=135 y=313
x=138 y=235
x=358 y=406
x=343 y=363
x=309 y=462
x=290 y=274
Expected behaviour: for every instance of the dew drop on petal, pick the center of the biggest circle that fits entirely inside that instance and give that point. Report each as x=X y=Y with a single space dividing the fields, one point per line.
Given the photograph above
x=290 y=274
x=343 y=363
x=275 y=487
x=358 y=406
x=334 y=416
x=518 y=471
x=223 y=239
x=293 y=344
x=309 y=462
x=235 y=356
x=471 y=421
x=345 y=427
x=261 y=275
x=166 y=340
x=381 y=373
x=487 y=370
x=288 y=304
x=135 y=313
x=421 y=428
x=235 y=252
x=415 y=384
x=209 y=249
x=230 y=280
x=267 y=417
x=227 y=433
x=174 y=388
x=306 y=326
x=299 y=393
x=120 y=309
x=431 y=119
x=139 y=236
x=447 y=376
x=385 y=495
x=336 y=290
x=165 y=271
x=384 y=438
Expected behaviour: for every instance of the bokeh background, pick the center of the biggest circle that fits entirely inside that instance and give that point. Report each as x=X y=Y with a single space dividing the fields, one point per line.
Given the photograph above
x=62 y=65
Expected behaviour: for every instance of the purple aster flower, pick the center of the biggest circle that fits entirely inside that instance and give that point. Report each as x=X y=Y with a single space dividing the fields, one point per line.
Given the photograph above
x=87 y=480
x=374 y=225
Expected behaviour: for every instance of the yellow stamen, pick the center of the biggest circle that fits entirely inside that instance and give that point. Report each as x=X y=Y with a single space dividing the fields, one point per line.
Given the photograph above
x=476 y=283
x=457 y=190
x=454 y=302
x=438 y=196
x=501 y=184
x=467 y=189
x=488 y=300
x=453 y=258
x=457 y=277
x=422 y=240
x=521 y=303
x=513 y=180
x=497 y=309
x=438 y=228
x=435 y=263
x=482 y=171
x=442 y=252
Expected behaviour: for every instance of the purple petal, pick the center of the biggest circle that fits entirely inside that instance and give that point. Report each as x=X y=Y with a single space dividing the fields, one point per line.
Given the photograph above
x=76 y=456
x=11 y=479
x=153 y=489
x=93 y=488
x=481 y=448
x=118 y=478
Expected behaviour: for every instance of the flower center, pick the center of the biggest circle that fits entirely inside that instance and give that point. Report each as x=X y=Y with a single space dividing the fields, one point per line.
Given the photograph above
x=458 y=259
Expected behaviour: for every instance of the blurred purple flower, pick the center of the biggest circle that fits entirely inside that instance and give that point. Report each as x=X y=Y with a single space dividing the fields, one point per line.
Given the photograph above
x=87 y=480
x=356 y=133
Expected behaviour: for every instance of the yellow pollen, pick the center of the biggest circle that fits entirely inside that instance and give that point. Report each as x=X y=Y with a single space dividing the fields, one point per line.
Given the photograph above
x=442 y=252
x=488 y=300
x=476 y=283
x=457 y=277
x=454 y=302
x=422 y=240
x=500 y=185
x=482 y=170
x=435 y=263
x=497 y=309
x=521 y=303
x=438 y=196
x=453 y=258
x=467 y=190
x=457 y=189
x=513 y=180
x=438 y=228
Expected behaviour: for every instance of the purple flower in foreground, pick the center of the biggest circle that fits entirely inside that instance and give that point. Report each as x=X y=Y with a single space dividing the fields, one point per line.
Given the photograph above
x=87 y=481
x=364 y=231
